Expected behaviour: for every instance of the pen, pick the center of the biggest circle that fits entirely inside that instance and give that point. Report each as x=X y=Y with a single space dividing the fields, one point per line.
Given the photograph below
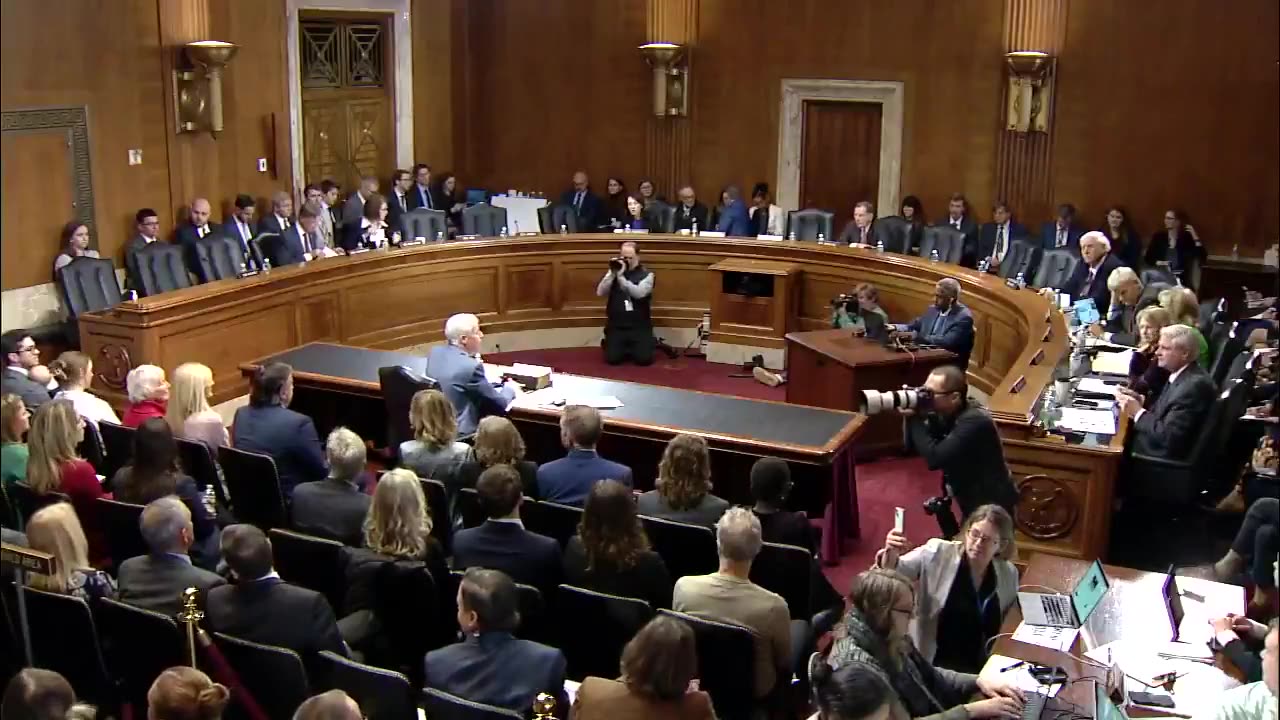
x=1018 y=664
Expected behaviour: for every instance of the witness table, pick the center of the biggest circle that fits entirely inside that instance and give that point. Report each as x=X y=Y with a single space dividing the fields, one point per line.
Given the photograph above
x=338 y=385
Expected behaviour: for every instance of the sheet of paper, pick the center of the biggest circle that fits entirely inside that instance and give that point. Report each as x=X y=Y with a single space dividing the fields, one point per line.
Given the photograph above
x=1020 y=676
x=1089 y=421
x=1113 y=363
x=551 y=397
x=1096 y=386
x=493 y=373
x=1092 y=342
x=1054 y=638
x=599 y=402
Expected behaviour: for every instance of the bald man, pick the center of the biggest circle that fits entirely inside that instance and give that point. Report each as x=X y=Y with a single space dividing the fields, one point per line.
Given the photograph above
x=196 y=228
x=331 y=705
x=584 y=202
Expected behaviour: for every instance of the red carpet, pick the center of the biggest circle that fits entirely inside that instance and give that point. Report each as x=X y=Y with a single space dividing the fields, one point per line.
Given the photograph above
x=882 y=484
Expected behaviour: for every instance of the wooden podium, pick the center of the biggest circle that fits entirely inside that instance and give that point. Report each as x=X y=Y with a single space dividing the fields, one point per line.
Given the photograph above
x=754 y=304
x=831 y=368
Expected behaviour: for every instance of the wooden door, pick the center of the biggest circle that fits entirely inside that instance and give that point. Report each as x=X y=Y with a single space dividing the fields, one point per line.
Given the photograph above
x=346 y=97
x=841 y=161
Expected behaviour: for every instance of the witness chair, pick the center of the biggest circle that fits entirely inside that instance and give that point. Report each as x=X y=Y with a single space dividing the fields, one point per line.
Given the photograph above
x=484 y=220
x=381 y=694
x=399 y=384
x=197 y=461
x=726 y=664
x=117 y=444
x=1023 y=256
x=88 y=285
x=892 y=232
x=64 y=638
x=407 y=606
x=440 y=705
x=120 y=521
x=92 y=450
x=1056 y=268
x=807 y=224
x=26 y=502
x=161 y=268
x=254 y=484
x=786 y=570
x=139 y=645
x=686 y=549
x=593 y=627
x=661 y=217
x=1158 y=275
x=551 y=519
x=946 y=240
x=552 y=217
x=438 y=504
x=274 y=676
x=429 y=225
x=219 y=257
x=312 y=562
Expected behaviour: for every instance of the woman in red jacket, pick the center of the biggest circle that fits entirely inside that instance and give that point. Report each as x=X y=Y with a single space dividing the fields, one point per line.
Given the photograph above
x=54 y=466
x=148 y=395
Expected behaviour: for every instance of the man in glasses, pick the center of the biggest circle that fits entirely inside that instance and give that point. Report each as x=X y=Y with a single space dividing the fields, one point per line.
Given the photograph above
x=21 y=356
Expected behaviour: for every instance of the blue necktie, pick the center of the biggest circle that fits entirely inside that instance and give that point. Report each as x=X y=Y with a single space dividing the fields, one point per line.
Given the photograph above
x=937 y=324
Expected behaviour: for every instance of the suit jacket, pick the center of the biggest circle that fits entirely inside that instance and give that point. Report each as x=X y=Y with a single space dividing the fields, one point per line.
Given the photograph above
x=604 y=699
x=733 y=220
x=774 y=224
x=850 y=233
x=969 y=227
x=269 y=223
x=353 y=209
x=462 y=380
x=569 y=480
x=290 y=249
x=155 y=582
x=968 y=451
x=288 y=437
x=955 y=333
x=1049 y=237
x=496 y=668
x=328 y=228
x=397 y=206
x=528 y=557
x=241 y=234
x=590 y=214
x=1169 y=428
x=33 y=394
x=1185 y=250
x=1122 y=320
x=273 y=612
x=685 y=217
x=421 y=197
x=331 y=508
x=187 y=236
x=1075 y=285
x=987 y=239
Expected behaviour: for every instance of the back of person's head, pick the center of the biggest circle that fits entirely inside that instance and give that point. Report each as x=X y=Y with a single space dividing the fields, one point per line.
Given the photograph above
x=661 y=659
x=500 y=489
x=55 y=529
x=331 y=705
x=189 y=392
x=398 y=522
x=154 y=466
x=582 y=425
x=684 y=473
x=71 y=369
x=185 y=693
x=143 y=382
x=36 y=694
x=875 y=594
x=346 y=454
x=497 y=442
x=162 y=523
x=12 y=412
x=492 y=596
x=268 y=384
x=770 y=480
x=738 y=535
x=433 y=419
x=610 y=530
x=55 y=433
x=856 y=691
x=247 y=551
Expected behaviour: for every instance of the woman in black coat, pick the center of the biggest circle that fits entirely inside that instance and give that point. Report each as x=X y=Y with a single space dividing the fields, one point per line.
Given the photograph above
x=1177 y=244
x=610 y=553
x=444 y=196
x=372 y=230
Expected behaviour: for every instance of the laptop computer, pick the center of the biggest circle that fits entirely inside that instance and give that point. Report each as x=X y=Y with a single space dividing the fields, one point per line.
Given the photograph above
x=1068 y=611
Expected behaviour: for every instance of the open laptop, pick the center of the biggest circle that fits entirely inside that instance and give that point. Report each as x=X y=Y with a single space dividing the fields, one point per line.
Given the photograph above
x=1068 y=611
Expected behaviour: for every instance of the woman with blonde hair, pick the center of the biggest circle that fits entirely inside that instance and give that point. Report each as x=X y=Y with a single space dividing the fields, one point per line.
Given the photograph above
x=1184 y=309
x=434 y=451
x=54 y=466
x=185 y=693
x=15 y=420
x=56 y=530
x=1146 y=377
x=498 y=442
x=188 y=412
x=74 y=372
x=148 y=394
x=683 y=488
x=397 y=528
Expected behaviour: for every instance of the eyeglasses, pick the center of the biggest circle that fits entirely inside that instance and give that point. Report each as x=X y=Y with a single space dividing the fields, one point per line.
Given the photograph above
x=28 y=349
x=981 y=539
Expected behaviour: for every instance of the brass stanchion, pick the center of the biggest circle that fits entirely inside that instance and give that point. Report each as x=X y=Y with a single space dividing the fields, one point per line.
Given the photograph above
x=190 y=615
x=544 y=707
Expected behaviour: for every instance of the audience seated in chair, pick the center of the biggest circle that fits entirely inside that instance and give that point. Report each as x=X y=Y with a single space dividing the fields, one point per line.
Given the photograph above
x=56 y=530
x=947 y=323
x=1176 y=247
x=148 y=395
x=913 y=213
x=335 y=507
x=266 y=425
x=683 y=488
x=960 y=219
x=329 y=705
x=1062 y=233
x=1184 y=309
x=996 y=237
x=1126 y=244
x=73 y=371
x=501 y=542
x=491 y=665
x=1128 y=298
x=37 y=694
x=189 y=233
x=455 y=365
x=854 y=692
x=765 y=218
x=498 y=442
x=770 y=485
x=22 y=361
x=591 y=212
x=1146 y=377
x=690 y=212
x=1256 y=699
x=1167 y=429
x=155 y=581
x=611 y=553
x=74 y=243
x=54 y=466
x=15 y=420
x=185 y=693
x=147 y=223
x=1255 y=547
x=435 y=452
x=860 y=231
x=370 y=230
x=1090 y=279
x=569 y=480
x=658 y=667
x=189 y=413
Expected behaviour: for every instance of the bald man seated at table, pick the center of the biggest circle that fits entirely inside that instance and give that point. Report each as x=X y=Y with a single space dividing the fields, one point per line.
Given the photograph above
x=192 y=231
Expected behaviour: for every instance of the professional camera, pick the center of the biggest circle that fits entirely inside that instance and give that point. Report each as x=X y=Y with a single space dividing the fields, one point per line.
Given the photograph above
x=845 y=301
x=940 y=508
x=617 y=264
x=875 y=402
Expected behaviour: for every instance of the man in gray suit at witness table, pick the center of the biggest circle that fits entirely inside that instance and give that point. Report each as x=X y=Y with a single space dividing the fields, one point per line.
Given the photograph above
x=155 y=581
x=354 y=209
x=1169 y=427
x=457 y=367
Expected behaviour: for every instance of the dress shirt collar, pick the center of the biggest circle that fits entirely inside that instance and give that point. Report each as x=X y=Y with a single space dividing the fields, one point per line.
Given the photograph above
x=272 y=576
x=508 y=521
x=583 y=453
x=148 y=240
x=20 y=370
x=944 y=313
x=1174 y=376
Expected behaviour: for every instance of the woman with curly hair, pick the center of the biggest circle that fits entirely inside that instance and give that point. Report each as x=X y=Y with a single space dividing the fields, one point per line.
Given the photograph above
x=498 y=442
x=610 y=553
x=683 y=489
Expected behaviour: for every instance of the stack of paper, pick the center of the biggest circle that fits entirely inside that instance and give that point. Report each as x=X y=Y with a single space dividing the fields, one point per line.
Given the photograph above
x=1087 y=421
x=1054 y=638
x=1113 y=363
x=1096 y=387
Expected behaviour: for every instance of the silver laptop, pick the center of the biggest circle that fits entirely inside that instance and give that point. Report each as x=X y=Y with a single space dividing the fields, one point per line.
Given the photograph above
x=1068 y=611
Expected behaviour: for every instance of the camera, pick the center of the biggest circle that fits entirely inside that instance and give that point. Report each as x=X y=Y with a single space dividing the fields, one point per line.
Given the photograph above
x=846 y=301
x=939 y=507
x=874 y=402
x=617 y=264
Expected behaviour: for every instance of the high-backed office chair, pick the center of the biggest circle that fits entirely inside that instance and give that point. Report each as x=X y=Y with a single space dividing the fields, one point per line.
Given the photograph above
x=423 y=223
x=27 y=502
x=807 y=224
x=484 y=220
x=120 y=521
x=88 y=285
x=220 y=257
x=552 y=217
x=551 y=519
x=161 y=268
x=117 y=444
x=467 y=507
x=440 y=705
x=948 y=241
x=438 y=503
x=1225 y=343
x=1157 y=275
x=726 y=664
x=661 y=217
x=267 y=247
x=381 y=694
x=613 y=621
x=197 y=461
x=1023 y=256
x=310 y=561
x=399 y=384
x=1056 y=267
x=686 y=549
x=139 y=645
x=274 y=676
x=534 y=623
x=407 y=603
x=254 y=483
x=892 y=231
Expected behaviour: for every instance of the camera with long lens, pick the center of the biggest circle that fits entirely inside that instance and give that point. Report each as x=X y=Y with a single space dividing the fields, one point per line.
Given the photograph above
x=847 y=302
x=617 y=264
x=874 y=402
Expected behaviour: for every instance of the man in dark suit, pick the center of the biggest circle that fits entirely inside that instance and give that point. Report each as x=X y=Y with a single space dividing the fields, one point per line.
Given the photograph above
x=690 y=212
x=147 y=223
x=419 y=192
x=336 y=506
x=995 y=237
x=569 y=480
x=300 y=241
x=1169 y=428
x=460 y=373
x=190 y=232
x=155 y=581
x=280 y=218
x=266 y=425
x=501 y=542
x=491 y=665
x=1129 y=297
x=398 y=200
x=20 y=356
x=584 y=202
x=353 y=210
x=958 y=217
x=962 y=441
x=262 y=608
x=242 y=228
x=734 y=221
x=1062 y=233
x=946 y=324
x=858 y=231
x=1091 y=274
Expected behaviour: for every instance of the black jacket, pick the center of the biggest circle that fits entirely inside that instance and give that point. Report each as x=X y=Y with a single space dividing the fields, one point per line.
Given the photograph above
x=685 y=217
x=969 y=453
x=527 y=557
x=360 y=567
x=187 y=236
x=1186 y=251
x=1075 y=285
x=329 y=508
x=1168 y=429
x=273 y=612
x=647 y=580
x=592 y=211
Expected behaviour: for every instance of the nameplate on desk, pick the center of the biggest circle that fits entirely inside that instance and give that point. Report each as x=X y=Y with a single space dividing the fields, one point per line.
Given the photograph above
x=527 y=233
x=626 y=231
x=411 y=243
x=468 y=237
x=770 y=237
x=357 y=251
x=27 y=559
x=711 y=234
x=247 y=273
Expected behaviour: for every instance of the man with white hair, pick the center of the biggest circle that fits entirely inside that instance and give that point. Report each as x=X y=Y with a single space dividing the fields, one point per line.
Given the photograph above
x=155 y=581
x=1128 y=298
x=280 y=218
x=1092 y=272
x=456 y=365
x=336 y=506
x=1169 y=427
x=729 y=596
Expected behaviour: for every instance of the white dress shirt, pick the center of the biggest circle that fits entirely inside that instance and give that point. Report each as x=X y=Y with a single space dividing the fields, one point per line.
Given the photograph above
x=89 y=406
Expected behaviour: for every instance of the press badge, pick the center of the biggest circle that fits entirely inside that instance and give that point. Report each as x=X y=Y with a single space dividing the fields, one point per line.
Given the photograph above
x=626 y=305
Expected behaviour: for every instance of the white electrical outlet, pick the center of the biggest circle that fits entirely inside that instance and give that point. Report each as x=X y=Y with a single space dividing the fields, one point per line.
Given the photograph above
x=262 y=164
x=135 y=156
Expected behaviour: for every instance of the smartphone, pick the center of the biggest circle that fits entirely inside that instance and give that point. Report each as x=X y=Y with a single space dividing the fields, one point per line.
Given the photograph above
x=899 y=519
x=1150 y=699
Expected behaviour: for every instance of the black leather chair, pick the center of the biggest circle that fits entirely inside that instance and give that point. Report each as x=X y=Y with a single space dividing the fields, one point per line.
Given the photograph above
x=1225 y=343
x=399 y=384
x=1157 y=275
x=254 y=484
x=1056 y=267
x=274 y=676
x=612 y=621
x=551 y=519
x=381 y=694
x=161 y=268
x=726 y=664
x=407 y=605
x=430 y=225
x=88 y=285
x=26 y=502
x=138 y=645
x=117 y=443
x=661 y=217
x=440 y=705
x=553 y=217
x=267 y=247
x=438 y=503
x=197 y=461
x=92 y=450
x=785 y=570
x=686 y=549
x=892 y=232
x=534 y=622
x=120 y=521
x=1023 y=256
x=64 y=638
x=467 y=507
x=222 y=258
x=484 y=220
x=1212 y=312
x=807 y=224
x=8 y=518
x=310 y=561
x=948 y=241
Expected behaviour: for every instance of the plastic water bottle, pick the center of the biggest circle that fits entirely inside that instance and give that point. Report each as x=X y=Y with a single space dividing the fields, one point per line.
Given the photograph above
x=822 y=238
x=628 y=228
x=439 y=236
x=880 y=246
x=1021 y=281
x=1235 y=252
x=564 y=229
x=503 y=231
x=694 y=231
x=933 y=256
x=266 y=265
x=983 y=266
x=210 y=500
x=792 y=236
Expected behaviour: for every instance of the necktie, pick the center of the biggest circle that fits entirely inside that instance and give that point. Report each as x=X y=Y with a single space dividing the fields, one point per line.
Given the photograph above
x=200 y=231
x=284 y=223
x=956 y=223
x=999 y=241
x=577 y=201
x=1088 y=285
x=937 y=324
x=1062 y=236
x=306 y=240
x=863 y=239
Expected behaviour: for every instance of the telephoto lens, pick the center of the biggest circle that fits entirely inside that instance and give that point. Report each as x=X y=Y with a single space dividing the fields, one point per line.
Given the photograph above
x=874 y=402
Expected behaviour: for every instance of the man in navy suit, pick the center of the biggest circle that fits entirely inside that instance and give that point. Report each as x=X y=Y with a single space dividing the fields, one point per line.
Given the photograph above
x=491 y=665
x=398 y=202
x=419 y=194
x=995 y=237
x=1091 y=274
x=1062 y=233
x=569 y=480
x=733 y=218
x=300 y=242
x=946 y=324
x=280 y=218
x=266 y=425
x=457 y=367
x=501 y=542
x=584 y=203
x=189 y=233
x=958 y=217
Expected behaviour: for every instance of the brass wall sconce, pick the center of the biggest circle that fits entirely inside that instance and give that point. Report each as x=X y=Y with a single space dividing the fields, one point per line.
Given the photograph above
x=1030 y=91
x=197 y=91
x=670 y=78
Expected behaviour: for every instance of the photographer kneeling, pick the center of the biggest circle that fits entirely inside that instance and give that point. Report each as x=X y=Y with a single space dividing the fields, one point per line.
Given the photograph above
x=962 y=441
x=628 y=331
x=861 y=312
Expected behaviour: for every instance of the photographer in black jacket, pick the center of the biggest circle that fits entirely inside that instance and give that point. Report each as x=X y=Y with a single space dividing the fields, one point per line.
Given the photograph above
x=628 y=331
